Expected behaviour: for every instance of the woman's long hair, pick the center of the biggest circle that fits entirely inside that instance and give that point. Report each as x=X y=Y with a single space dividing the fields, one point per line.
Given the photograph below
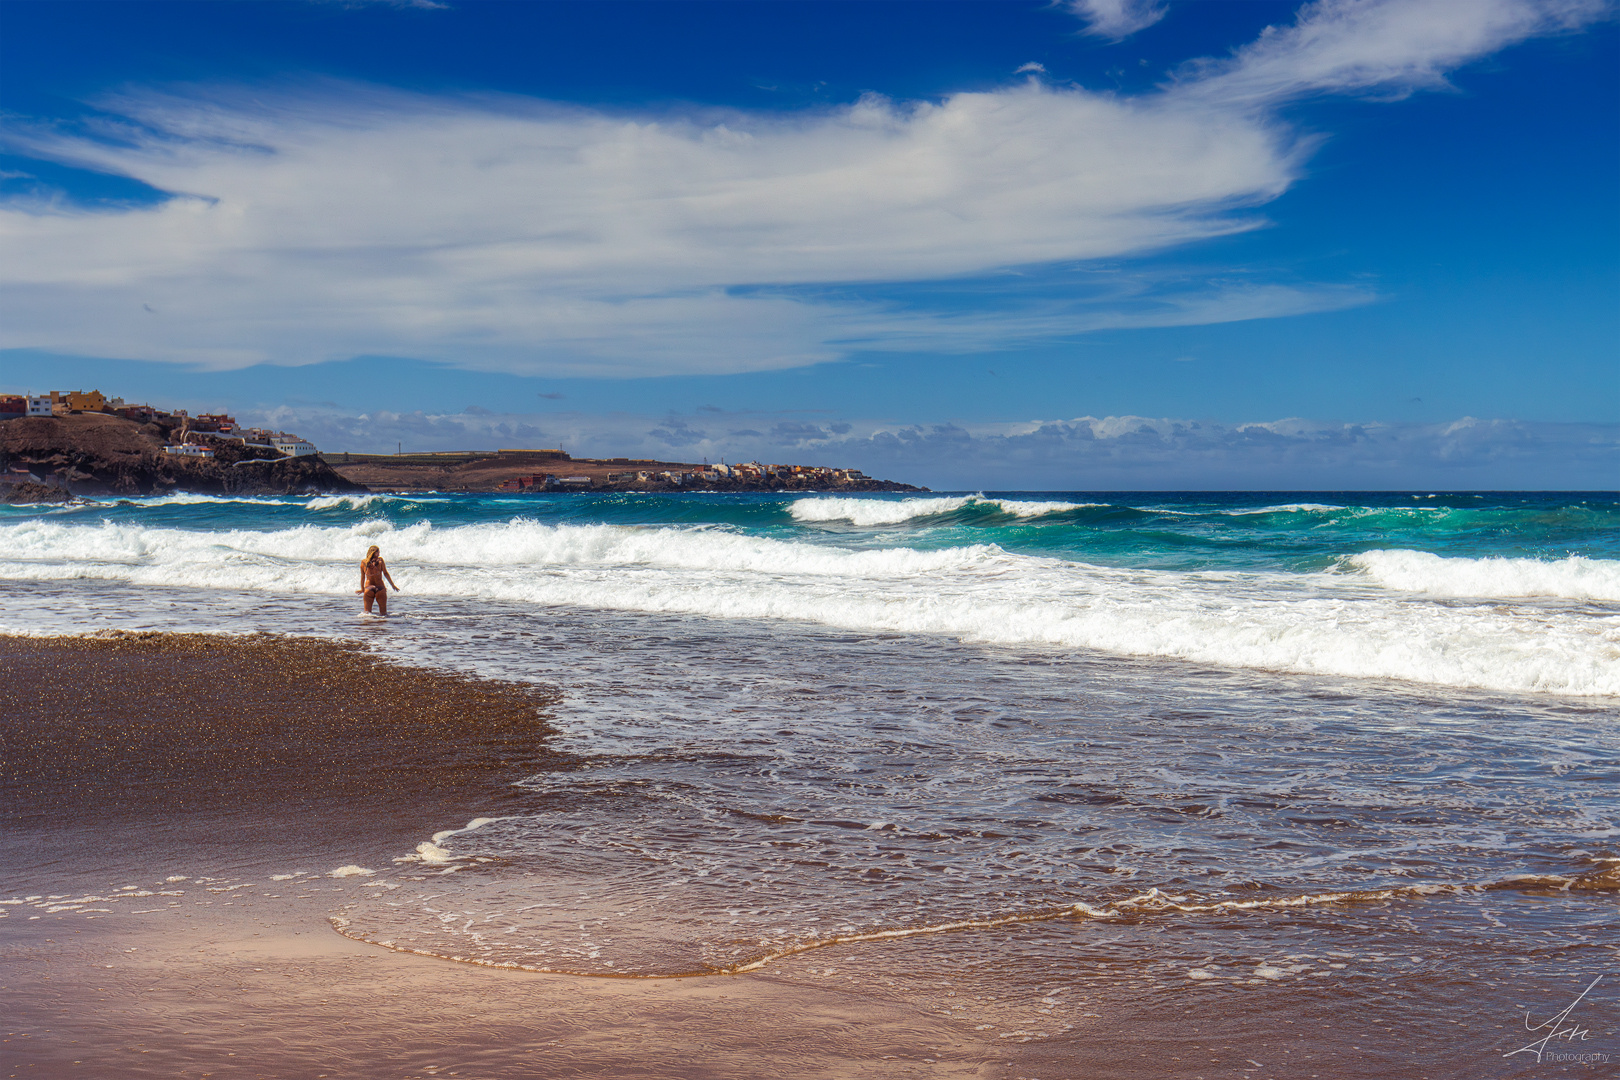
x=373 y=553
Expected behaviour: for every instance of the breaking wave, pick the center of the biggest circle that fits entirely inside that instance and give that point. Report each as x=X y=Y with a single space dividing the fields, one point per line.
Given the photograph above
x=1328 y=623
x=1572 y=578
x=868 y=512
x=353 y=502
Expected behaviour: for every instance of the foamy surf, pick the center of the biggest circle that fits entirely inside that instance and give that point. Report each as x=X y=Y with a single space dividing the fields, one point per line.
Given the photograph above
x=1572 y=578
x=1329 y=624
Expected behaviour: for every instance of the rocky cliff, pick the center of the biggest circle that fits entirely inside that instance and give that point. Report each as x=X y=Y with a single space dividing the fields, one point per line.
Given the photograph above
x=97 y=454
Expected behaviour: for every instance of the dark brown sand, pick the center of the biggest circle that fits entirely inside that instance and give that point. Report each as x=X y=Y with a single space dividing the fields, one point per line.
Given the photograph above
x=135 y=724
x=238 y=750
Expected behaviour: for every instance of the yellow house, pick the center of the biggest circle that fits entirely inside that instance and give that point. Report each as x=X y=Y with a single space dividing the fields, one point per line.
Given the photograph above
x=78 y=401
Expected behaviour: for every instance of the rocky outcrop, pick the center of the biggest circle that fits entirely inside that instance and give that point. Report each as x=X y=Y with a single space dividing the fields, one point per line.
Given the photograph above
x=29 y=492
x=97 y=454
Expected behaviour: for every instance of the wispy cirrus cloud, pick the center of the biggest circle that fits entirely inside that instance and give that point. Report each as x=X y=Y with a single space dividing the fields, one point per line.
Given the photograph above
x=1388 y=48
x=1117 y=19
x=328 y=220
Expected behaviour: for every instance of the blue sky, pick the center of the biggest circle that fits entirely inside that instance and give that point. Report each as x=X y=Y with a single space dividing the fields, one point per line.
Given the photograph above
x=1105 y=243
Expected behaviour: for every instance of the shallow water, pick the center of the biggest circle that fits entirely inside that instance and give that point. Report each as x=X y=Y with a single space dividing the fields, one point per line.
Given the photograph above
x=859 y=755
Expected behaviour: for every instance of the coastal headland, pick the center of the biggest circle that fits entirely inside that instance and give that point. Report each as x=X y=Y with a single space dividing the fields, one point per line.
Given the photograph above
x=100 y=454
x=536 y=471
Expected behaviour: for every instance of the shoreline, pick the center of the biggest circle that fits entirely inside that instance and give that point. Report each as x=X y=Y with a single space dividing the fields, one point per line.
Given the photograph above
x=132 y=781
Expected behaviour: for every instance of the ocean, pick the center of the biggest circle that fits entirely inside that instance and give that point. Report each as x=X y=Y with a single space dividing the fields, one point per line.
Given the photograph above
x=1014 y=758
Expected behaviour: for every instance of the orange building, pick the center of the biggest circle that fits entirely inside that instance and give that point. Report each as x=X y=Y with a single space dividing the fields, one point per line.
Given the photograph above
x=64 y=402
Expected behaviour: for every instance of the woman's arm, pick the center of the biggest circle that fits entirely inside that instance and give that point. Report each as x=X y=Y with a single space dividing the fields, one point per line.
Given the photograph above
x=390 y=577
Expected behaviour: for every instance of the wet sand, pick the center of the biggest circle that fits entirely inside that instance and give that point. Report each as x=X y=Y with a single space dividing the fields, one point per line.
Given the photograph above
x=270 y=991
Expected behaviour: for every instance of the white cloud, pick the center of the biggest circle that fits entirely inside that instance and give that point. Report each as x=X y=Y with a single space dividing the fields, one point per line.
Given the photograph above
x=1117 y=19
x=1120 y=308
x=334 y=220
x=1391 y=47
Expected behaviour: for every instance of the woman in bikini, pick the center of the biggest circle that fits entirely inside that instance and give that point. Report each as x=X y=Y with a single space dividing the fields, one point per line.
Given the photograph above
x=372 y=572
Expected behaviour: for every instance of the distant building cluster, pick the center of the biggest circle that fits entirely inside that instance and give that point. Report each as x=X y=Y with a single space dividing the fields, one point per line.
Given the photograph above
x=214 y=425
x=749 y=472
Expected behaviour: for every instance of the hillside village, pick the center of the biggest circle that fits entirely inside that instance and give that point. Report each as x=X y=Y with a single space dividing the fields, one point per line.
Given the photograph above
x=78 y=444
x=748 y=474
x=186 y=442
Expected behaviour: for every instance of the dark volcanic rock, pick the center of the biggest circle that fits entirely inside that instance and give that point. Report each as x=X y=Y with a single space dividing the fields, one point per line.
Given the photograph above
x=28 y=492
x=99 y=454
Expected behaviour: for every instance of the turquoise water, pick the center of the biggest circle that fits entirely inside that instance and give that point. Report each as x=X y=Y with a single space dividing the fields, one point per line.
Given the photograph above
x=1411 y=586
x=1293 y=531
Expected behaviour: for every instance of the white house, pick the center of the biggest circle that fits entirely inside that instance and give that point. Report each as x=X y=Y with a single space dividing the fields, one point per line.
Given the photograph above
x=39 y=406
x=293 y=446
x=189 y=450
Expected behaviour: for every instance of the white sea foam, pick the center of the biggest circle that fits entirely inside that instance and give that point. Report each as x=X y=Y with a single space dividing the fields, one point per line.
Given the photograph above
x=1572 y=578
x=868 y=512
x=433 y=853
x=429 y=853
x=320 y=502
x=1248 y=511
x=1337 y=624
x=350 y=502
x=188 y=498
x=1286 y=508
x=472 y=826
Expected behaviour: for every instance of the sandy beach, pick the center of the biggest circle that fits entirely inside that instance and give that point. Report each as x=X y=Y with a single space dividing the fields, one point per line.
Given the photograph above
x=244 y=756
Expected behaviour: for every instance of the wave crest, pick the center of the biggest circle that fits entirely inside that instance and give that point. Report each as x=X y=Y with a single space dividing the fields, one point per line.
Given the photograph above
x=870 y=512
